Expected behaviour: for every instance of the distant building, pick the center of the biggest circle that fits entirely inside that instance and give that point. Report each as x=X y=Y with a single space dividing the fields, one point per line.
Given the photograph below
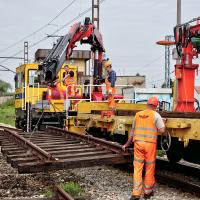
x=136 y=81
x=81 y=59
x=78 y=58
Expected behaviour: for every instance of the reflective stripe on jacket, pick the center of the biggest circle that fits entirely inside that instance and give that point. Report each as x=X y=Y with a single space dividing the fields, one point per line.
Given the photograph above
x=70 y=81
x=71 y=84
x=145 y=129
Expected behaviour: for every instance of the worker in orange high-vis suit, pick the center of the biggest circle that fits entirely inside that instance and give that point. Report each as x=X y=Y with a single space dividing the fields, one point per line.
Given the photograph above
x=71 y=84
x=110 y=84
x=144 y=132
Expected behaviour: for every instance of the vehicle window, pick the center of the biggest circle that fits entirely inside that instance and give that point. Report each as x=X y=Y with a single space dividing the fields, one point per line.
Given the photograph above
x=18 y=80
x=31 y=76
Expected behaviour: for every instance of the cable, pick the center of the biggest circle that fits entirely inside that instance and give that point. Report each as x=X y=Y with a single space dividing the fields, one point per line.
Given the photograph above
x=45 y=38
x=75 y=18
x=157 y=80
x=39 y=29
x=151 y=62
x=7 y=69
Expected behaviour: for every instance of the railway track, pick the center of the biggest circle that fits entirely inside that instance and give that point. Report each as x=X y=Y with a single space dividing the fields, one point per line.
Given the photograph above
x=60 y=194
x=57 y=149
x=175 y=181
x=169 y=174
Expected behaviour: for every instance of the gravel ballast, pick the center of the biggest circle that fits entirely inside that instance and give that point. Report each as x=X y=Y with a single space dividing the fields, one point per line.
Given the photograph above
x=106 y=183
x=100 y=183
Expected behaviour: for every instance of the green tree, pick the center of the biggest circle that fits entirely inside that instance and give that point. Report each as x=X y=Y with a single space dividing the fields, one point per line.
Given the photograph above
x=4 y=87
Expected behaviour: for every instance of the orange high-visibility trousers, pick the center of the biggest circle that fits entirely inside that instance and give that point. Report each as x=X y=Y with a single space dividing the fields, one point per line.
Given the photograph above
x=111 y=99
x=144 y=153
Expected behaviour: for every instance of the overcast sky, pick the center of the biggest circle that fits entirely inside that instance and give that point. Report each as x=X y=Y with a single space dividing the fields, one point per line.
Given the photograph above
x=130 y=29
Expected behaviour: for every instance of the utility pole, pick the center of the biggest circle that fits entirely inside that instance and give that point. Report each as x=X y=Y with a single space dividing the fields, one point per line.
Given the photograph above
x=25 y=52
x=178 y=12
x=175 y=89
x=95 y=20
x=167 y=61
x=95 y=13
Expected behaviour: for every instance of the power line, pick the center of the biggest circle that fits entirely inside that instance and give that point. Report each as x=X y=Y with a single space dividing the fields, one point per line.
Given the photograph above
x=7 y=69
x=150 y=63
x=39 y=29
x=11 y=57
x=75 y=18
x=45 y=38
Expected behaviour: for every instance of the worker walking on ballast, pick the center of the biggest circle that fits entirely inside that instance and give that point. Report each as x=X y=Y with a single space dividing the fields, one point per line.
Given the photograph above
x=144 y=133
x=110 y=84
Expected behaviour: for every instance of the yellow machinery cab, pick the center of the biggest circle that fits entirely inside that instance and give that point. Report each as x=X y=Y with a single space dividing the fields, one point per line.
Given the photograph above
x=33 y=110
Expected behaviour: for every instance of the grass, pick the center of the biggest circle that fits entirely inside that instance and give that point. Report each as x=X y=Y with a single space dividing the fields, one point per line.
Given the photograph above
x=47 y=192
x=7 y=112
x=74 y=189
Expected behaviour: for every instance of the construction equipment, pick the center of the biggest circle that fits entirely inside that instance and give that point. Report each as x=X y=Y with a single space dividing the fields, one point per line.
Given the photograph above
x=86 y=33
x=187 y=41
x=94 y=117
x=182 y=137
x=32 y=109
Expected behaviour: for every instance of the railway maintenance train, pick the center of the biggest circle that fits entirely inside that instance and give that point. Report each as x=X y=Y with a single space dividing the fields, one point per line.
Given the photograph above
x=32 y=107
x=92 y=115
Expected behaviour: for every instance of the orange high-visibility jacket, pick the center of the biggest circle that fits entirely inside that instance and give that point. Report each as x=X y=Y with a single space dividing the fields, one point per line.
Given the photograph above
x=145 y=129
x=71 y=83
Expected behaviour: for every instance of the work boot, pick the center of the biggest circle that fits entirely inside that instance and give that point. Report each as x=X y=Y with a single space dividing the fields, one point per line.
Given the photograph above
x=148 y=196
x=135 y=197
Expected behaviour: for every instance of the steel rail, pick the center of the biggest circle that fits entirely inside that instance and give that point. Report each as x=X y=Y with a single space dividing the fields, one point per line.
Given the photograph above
x=61 y=194
x=59 y=149
x=90 y=139
x=179 y=184
x=170 y=179
x=22 y=142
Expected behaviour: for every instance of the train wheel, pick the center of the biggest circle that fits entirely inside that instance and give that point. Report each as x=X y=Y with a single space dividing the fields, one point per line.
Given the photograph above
x=17 y=123
x=176 y=151
x=166 y=141
x=191 y=153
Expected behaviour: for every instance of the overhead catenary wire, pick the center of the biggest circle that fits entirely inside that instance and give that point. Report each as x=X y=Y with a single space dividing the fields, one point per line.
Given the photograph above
x=7 y=69
x=75 y=18
x=65 y=25
x=158 y=80
x=39 y=29
x=151 y=62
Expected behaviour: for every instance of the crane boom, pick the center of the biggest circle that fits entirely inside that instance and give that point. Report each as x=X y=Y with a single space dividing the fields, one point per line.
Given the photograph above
x=86 y=33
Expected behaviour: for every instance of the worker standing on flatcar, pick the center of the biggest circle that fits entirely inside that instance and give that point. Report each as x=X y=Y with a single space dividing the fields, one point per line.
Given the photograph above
x=144 y=133
x=67 y=70
x=71 y=83
x=110 y=84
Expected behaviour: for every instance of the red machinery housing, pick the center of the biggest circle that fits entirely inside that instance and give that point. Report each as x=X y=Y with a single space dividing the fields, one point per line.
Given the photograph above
x=187 y=39
x=83 y=33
